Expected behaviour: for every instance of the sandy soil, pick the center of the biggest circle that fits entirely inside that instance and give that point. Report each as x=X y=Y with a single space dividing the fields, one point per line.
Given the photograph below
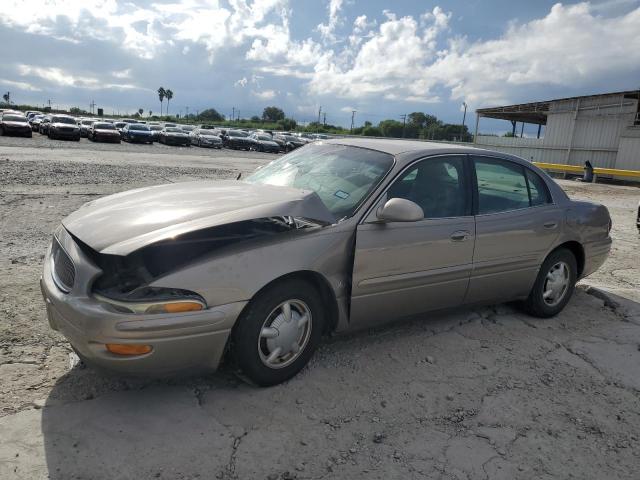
x=485 y=393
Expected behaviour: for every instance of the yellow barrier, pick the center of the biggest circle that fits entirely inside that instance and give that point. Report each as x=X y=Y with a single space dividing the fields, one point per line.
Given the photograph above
x=596 y=171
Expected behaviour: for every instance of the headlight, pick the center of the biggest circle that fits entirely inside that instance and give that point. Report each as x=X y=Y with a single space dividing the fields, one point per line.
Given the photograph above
x=156 y=300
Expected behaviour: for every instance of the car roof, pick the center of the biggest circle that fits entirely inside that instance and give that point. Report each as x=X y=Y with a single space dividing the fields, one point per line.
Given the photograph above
x=398 y=146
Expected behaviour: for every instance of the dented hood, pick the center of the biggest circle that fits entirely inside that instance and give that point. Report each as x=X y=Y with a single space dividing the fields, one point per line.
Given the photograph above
x=122 y=223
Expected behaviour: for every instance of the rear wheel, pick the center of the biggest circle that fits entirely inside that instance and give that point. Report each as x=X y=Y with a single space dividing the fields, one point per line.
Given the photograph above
x=278 y=332
x=554 y=285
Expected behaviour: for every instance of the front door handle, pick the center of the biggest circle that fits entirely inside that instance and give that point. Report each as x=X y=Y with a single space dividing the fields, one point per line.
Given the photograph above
x=460 y=236
x=550 y=225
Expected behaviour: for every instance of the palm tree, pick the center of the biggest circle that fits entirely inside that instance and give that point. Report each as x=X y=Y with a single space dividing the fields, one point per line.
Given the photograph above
x=169 y=95
x=161 y=94
x=7 y=97
x=140 y=111
x=149 y=113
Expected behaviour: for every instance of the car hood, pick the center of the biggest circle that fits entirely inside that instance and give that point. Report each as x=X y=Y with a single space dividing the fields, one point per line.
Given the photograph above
x=107 y=130
x=175 y=134
x=62 y=124
x=122 y=223
x=10 y=123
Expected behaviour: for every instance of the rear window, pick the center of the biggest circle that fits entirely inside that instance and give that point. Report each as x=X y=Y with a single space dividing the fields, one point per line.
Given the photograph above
x=69 y=120
x=137 y=126
x=14 y=118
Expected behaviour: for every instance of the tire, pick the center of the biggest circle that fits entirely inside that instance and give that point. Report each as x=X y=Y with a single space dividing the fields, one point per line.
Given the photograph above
x=251 y=350
x=559 y=264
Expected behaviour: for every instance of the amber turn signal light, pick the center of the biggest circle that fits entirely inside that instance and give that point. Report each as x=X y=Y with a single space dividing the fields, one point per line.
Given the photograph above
x=175 y=307
x=128 y=349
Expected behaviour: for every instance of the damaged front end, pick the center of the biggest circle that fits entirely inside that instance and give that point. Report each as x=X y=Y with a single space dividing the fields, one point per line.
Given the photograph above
x=126 y=281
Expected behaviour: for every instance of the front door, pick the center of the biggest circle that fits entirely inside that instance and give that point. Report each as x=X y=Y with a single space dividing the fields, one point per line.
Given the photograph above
x=404 y=268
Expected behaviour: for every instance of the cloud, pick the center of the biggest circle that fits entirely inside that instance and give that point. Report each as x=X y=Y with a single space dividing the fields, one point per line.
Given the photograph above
x=20 y=85
x=327 y=29
x=570 y=47
x=265 y=94
x=62 y=78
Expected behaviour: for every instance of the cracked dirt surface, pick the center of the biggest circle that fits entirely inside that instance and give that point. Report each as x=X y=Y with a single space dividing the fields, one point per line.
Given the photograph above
x=487 y=393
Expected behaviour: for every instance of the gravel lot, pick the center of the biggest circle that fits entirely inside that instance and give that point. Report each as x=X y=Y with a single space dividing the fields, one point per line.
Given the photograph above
x=485 y=393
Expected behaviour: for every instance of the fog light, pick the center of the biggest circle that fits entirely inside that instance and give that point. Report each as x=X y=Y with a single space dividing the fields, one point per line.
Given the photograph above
x=128 y=349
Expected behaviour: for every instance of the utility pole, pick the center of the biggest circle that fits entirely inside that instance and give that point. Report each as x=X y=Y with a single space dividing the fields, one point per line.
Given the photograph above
x=404 y=123
x=325 y=119
x=238 y=116
x=464 y=117
x=319 y=113
x=187 y=111
x=353 y=115
x=233 y=114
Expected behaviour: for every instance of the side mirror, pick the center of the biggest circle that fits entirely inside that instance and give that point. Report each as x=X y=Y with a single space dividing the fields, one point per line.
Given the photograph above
x=400 y=210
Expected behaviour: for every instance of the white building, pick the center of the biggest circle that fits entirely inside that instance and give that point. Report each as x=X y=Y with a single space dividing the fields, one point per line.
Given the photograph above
x=603 y=129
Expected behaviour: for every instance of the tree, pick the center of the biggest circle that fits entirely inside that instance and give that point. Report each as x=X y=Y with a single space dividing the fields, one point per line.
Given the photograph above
x=370 y=131
x=7 y=97
x=255 y=119
x=287 y=124
x=272 y=114
x=161 y=94
x=149 y=113
x=169 y=94
x=391 y=128
x=211 y=114
x=140 y=111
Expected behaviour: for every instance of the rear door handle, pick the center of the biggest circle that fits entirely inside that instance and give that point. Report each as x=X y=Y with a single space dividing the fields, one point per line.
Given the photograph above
x=550 y=225
x=460 y=236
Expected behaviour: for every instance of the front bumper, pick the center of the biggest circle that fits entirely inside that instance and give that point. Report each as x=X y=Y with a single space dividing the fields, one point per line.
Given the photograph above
x=18 y=132
x=187 y=341
x=65 y=133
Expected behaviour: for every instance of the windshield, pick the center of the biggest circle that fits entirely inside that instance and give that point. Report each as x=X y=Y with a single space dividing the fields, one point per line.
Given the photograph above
x=13 y=118
x=173 y=129
x=87 y=122
x=156 y=127
x=264 y=138
x=233 y=133
x=135 y=126
x=187 y=128
x=341 y=176
x=104 y=126
x=207 y=132
x=69 y=120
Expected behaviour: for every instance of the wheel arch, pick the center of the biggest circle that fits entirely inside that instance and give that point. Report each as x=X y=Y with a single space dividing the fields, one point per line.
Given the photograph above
x=323 y=286
x=578 y=252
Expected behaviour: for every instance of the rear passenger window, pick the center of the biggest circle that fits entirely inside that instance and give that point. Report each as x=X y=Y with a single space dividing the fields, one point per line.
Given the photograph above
x=538 y=190
x=502 y=186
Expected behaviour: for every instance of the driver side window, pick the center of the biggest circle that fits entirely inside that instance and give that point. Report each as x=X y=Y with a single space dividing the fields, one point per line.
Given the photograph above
x=438 y=185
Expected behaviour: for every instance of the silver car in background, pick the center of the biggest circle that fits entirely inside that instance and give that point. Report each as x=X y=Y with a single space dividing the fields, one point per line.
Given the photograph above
x=337 y=236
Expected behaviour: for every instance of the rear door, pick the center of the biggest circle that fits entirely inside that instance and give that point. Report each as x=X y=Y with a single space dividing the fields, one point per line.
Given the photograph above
x=516 y=225
x=403 y=268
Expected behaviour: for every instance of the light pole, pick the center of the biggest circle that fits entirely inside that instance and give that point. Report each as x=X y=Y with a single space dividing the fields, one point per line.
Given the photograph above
x=464 y=117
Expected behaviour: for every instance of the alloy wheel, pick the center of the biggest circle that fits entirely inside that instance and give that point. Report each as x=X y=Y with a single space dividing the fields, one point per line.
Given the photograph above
x=285 y=334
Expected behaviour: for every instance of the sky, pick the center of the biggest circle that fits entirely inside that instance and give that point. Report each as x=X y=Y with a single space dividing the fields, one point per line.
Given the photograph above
x=380 y=58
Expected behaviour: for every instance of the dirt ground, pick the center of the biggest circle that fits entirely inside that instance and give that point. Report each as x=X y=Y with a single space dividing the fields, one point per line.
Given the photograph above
x=487 y=393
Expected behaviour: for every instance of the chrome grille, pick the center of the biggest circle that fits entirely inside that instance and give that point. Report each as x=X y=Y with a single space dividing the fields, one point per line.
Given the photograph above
x=64 y=273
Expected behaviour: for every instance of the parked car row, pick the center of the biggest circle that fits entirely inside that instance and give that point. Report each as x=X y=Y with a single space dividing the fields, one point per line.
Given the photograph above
x=60 y=126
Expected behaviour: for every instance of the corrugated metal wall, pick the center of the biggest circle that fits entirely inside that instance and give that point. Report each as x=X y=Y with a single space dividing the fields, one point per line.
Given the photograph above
x=579 y=130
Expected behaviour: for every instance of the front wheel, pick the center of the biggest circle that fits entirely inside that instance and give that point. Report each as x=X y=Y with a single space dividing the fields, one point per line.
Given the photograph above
x=278 y=332
x=554 y=285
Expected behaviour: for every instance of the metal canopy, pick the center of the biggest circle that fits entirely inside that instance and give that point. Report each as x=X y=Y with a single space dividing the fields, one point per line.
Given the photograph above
x=536 y=112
